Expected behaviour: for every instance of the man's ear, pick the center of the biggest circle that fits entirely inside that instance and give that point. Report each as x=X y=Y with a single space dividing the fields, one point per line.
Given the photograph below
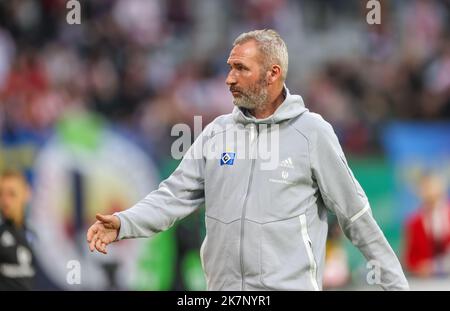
x=273 y=74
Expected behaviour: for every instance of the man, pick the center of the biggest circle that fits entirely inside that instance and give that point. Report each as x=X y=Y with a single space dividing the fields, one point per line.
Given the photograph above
x=16 y=258
x=266 y=228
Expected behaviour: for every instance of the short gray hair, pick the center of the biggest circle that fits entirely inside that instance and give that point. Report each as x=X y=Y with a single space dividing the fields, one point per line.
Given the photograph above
x=271 y=45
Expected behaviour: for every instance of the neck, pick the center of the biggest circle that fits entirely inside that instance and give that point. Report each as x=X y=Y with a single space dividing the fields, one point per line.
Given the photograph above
x=269 y=109
x=17 y=221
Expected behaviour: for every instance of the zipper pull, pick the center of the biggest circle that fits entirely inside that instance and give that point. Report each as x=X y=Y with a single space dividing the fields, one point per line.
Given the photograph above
x=253 y=131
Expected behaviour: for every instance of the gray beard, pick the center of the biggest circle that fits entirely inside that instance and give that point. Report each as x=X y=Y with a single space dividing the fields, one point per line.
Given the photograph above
x=255 y=98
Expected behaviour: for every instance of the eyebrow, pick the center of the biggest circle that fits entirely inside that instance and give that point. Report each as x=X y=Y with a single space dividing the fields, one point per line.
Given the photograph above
x=236 y=63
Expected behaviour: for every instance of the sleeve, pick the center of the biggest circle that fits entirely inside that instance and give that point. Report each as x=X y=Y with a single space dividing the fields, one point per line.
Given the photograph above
x=176 y=197
x=343 y=195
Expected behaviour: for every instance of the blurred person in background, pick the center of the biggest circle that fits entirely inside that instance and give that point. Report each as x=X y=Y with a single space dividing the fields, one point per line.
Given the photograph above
x=427 y=252
x=16 y=258
x=337 y=271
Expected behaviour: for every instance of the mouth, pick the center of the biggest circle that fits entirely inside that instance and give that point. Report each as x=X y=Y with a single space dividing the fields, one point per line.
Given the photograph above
x=235 y=92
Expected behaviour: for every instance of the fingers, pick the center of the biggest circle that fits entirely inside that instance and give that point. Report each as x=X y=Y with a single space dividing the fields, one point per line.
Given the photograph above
x=98 y=246
x=99 y=243
x=96 y=236
x=92 y=242
x=104 y=248
x=90 y=234
x=101 y=246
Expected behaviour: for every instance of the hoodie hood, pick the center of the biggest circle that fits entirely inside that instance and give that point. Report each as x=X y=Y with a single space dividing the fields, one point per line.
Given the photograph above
x=291 y=107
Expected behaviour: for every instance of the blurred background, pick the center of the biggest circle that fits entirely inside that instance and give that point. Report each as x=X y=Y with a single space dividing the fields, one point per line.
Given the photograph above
x=86 y=113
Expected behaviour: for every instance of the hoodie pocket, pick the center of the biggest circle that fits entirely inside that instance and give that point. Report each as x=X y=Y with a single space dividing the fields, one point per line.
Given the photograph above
x=220 y=255
x=308 y=246
x=285 y=258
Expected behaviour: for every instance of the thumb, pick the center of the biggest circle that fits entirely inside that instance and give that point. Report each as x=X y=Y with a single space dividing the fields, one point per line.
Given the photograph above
x=109 y=221
x=106 y=219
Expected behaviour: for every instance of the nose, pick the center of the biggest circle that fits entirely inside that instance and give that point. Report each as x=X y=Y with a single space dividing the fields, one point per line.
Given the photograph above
x=230 y=80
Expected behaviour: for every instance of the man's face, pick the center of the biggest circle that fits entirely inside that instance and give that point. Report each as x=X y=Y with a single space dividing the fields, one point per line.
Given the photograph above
x=13 y=197
x=432 y=191
x=246 y=79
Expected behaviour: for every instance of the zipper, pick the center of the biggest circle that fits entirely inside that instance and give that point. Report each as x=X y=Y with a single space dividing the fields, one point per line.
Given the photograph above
x=253 y=139
x=308 y=246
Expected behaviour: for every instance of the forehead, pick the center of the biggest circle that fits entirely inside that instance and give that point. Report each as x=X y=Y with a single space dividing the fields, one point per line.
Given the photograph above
x=245 y=52
x=431 y=181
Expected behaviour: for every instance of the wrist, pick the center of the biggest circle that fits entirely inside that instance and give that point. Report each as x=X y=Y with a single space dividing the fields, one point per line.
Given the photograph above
x=118 y=225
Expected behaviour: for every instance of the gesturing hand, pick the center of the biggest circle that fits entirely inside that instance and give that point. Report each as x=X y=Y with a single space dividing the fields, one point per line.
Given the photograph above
x=103 y=232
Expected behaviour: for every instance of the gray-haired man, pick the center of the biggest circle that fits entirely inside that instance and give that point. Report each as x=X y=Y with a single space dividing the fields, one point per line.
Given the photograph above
x=266 y=228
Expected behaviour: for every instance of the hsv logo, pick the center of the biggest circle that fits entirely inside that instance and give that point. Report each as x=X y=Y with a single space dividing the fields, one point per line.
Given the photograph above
x=227 y=158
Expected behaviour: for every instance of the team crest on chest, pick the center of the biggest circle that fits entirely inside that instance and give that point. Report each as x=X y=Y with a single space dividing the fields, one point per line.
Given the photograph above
x=227 y=158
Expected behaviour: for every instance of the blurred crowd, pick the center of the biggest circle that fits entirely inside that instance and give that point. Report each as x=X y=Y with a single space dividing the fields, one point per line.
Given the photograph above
x=147 y=65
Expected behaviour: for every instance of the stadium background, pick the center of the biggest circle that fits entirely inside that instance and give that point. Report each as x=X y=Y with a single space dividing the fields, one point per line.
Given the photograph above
x=86 y=112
